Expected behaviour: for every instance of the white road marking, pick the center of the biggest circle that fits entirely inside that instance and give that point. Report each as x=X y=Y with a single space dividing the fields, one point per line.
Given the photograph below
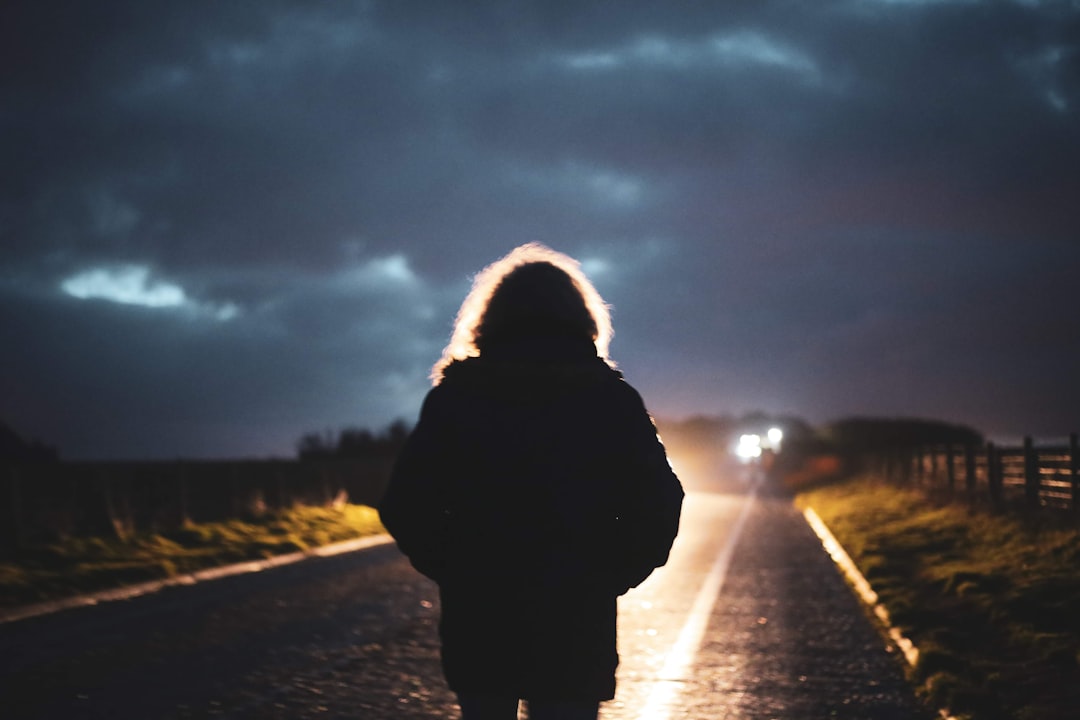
x=865 y=591
x=682 y=653
x=152 y=586
x=860 y=583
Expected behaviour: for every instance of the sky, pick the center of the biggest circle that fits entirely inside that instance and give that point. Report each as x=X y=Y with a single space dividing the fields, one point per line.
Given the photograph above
x=224 y=225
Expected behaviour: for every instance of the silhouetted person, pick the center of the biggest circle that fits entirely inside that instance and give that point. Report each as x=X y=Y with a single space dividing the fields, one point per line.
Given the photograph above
x=534 y=491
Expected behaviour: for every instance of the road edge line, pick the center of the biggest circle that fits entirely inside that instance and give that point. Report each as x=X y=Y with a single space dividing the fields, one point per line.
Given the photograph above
x=864 y=590
x=24 y=612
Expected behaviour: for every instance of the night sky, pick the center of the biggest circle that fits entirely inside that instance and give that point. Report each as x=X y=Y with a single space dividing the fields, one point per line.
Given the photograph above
x=226 y=224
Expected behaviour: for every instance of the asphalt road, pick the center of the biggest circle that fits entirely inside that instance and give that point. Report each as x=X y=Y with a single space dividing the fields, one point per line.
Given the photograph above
x=749 y=619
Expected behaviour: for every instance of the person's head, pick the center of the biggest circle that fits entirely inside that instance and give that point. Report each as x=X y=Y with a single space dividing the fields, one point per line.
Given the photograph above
x=533 y=291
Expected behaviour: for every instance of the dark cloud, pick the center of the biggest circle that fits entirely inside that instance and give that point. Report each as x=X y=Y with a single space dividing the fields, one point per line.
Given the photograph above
x=224 y=225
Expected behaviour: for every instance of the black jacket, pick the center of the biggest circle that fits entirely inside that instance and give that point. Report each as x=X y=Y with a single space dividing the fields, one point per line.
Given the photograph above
x=534 y=492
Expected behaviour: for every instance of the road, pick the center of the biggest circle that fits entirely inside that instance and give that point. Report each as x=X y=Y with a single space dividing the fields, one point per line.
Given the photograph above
x=747 y=620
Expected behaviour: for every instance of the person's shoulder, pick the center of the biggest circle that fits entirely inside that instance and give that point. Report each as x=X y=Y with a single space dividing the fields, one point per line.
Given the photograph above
x=462 y=382
x=618 y=387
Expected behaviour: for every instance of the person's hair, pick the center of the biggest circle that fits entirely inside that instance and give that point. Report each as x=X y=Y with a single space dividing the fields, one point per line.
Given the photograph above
x=533 y=290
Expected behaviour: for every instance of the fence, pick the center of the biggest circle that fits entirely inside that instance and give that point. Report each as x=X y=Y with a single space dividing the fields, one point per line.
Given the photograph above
x=1026 y=476
x=47 y=500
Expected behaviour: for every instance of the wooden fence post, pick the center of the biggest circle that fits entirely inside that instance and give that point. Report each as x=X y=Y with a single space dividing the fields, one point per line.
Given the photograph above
x=950 y=468
x=969 y=471
x=993 y=475
x=113 y=499
x=1031 y=474
x=182 y=494
x=279 y=480
x=1074 y=472
x=236 y=505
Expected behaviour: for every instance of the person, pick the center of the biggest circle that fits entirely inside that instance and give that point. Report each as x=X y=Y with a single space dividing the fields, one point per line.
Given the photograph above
x=534 y=491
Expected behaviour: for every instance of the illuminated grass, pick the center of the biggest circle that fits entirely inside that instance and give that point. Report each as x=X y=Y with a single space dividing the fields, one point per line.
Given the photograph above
x=992 y=602
x=79 y=565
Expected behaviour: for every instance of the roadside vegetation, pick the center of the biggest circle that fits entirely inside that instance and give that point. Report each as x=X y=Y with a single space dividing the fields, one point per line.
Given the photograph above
x=991 y=601
x=76 y=565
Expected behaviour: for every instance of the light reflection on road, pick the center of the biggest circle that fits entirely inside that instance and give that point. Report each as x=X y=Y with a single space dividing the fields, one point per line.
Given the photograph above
x=661 y=621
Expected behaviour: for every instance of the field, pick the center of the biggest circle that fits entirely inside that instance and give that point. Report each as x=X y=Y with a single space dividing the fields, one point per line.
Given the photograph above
x=989 y=600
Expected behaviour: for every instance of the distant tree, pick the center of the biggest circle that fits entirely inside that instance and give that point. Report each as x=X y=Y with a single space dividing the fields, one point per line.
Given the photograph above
x=862 y=434
x=353 y=442
x=316 y=445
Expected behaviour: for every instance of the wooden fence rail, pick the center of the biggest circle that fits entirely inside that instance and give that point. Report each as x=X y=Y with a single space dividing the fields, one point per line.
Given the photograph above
x=48 y=500
x=1024 y=476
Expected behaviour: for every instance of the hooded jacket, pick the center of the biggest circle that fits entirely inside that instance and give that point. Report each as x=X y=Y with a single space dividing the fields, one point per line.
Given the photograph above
x=534 y=490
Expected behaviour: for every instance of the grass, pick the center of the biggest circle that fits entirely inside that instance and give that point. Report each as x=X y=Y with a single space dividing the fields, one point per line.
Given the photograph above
x=991 y=601
x=75 y=565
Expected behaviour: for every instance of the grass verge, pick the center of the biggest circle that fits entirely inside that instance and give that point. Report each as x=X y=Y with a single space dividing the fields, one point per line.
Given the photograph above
x=990 y=601
x=76 y=565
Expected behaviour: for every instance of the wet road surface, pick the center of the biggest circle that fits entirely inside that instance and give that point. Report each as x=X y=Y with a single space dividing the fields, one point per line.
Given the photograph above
x=774 y=634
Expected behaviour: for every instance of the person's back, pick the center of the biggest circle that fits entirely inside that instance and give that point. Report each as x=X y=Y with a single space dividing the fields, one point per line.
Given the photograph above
x=534 y=491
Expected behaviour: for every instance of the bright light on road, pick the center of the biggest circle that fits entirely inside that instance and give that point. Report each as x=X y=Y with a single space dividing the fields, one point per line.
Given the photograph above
x=775 y=435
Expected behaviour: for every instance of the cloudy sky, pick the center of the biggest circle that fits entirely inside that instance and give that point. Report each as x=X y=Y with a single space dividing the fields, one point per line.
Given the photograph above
x=225 y=224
